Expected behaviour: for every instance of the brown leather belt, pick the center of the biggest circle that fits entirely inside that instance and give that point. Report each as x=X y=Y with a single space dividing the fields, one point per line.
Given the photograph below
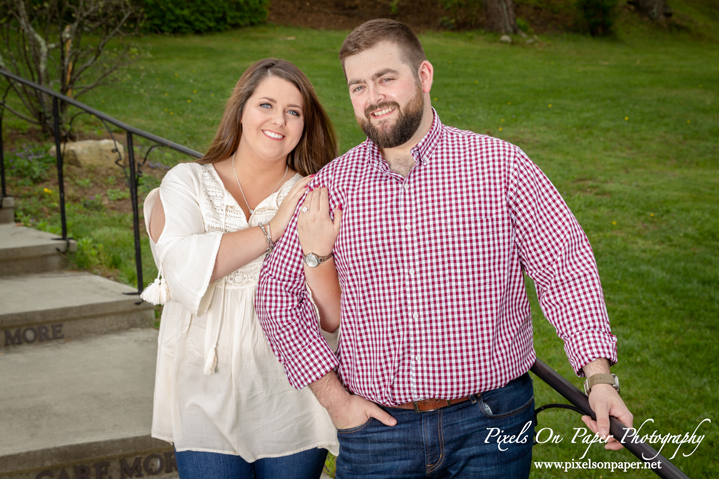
x=426 y=405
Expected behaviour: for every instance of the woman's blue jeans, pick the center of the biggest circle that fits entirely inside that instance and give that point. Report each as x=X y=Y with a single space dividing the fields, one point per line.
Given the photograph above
x=209 y=465
x=467 y=440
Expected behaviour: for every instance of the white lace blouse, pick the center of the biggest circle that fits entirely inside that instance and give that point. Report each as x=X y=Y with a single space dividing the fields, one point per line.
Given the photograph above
x=245 y=406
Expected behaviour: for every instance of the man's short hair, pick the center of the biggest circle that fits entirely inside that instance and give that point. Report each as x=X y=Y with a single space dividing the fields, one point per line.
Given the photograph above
x=370 y=33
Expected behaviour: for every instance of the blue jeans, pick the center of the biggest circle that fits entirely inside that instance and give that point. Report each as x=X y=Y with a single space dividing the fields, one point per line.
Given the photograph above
x=466 y=440
x=209 y=465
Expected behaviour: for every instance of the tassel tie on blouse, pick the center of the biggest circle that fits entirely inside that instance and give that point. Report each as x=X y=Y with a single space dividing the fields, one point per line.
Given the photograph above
x=158 y=292
x=214 y=325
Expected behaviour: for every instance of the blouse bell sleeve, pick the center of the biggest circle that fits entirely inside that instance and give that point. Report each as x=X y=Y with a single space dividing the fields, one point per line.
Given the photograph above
x=185 y=251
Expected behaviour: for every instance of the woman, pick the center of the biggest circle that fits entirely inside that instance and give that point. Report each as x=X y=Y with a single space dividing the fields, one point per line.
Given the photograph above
x=221 y=396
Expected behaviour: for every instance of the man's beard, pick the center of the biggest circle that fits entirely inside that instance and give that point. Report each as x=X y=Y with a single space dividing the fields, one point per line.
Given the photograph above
x=404 y=128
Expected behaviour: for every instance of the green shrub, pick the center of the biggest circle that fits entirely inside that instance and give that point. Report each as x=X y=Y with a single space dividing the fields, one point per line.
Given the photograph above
x=30 y=165
x=462 y=13
x=117 y=195
x=200 y=16
x=599 y=15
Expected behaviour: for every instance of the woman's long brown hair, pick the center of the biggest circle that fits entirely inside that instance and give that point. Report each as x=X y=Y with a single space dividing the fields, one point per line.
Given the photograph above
x=318 y=144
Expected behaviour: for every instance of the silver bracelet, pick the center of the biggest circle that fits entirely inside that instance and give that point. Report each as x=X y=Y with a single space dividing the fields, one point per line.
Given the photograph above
x=270 y=244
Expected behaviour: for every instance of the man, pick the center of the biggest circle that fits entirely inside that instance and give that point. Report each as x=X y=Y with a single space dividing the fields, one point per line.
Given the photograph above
x=438 y=227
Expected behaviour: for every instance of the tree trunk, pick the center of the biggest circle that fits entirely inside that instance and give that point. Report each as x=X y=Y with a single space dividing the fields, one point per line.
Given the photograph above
x=657 y=10
x=500 y=16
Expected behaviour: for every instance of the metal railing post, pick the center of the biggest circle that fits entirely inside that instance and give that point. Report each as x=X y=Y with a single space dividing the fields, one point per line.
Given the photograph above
x=2 y=164
x=59 y=155
x=135 y=210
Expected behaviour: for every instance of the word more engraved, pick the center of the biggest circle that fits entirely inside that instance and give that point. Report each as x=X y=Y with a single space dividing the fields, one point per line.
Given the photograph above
x=139 y=466
x=33 y=334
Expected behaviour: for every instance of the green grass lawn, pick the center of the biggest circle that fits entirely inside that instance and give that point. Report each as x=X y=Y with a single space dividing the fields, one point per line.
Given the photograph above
x=627 y=128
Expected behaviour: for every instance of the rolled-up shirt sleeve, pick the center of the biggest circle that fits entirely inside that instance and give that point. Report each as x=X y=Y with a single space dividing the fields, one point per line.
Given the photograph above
x=186 y=251
x=557 y=255
x=287 y=315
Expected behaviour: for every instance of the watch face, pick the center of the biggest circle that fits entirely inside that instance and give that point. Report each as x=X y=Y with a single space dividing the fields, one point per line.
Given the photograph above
x=311 y=260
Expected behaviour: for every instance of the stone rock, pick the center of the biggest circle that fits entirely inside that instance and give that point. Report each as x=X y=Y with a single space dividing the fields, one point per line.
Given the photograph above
x=530 y=41
x=505 y=39
x=90 y=152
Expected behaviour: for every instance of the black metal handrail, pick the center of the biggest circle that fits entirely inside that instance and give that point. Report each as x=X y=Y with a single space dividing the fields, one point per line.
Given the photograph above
x=639 y=448
x=134 y=175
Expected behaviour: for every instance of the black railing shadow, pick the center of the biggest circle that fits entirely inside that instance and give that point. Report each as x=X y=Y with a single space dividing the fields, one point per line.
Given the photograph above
x=544 y=372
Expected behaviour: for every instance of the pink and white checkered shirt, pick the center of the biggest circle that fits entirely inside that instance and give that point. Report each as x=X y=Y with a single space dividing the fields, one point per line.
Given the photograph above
x=433 y=296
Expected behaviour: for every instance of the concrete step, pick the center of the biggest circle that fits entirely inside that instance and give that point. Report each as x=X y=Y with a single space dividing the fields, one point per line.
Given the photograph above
x=65 y=305
x=7 y=210
x=81 y=409
x=26 y=250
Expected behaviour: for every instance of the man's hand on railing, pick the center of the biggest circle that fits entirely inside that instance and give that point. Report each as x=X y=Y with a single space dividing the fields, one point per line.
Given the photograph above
x=605 y=401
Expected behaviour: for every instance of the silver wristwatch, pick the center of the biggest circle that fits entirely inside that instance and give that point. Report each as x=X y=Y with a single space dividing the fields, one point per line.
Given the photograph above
x=312 y=260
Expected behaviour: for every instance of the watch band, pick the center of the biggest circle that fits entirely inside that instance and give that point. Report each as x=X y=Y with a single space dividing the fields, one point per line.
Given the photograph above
x=602 y=378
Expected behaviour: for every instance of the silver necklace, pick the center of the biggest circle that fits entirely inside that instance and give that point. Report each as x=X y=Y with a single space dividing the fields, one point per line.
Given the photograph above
x=287 y=168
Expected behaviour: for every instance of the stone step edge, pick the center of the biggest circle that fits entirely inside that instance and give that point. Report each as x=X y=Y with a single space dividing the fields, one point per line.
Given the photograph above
x=74 y=313
x=88 y=454
x=58 y=246
x=36 y=334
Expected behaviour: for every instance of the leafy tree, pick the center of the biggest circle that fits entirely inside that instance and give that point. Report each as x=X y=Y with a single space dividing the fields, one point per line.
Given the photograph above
x=62 y=45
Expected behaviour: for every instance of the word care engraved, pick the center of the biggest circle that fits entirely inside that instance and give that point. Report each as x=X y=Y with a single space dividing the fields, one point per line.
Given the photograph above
x=150 y=465
x=33 y=334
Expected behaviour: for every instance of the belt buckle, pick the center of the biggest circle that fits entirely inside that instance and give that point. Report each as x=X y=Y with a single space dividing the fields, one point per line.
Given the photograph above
x=417 y=410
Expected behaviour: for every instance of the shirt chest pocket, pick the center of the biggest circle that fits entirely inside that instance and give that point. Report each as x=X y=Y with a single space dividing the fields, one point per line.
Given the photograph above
x=476 y=249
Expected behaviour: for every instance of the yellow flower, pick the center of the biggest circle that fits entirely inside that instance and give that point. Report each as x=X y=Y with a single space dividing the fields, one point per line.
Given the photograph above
x=476 y=81
x=165 y=94
x=500 y=128
x=194 y=91
x=103 y=101
x=165 y=109
x=189 y=101
x=509 y=103
x=172 y=113
x=626 y=118
x=177 y=75
x=614 y=222
x=502 y=119
x=435 y=99
x=652 y=215
x=46 y=190
x=550 y=105
x=689 y=121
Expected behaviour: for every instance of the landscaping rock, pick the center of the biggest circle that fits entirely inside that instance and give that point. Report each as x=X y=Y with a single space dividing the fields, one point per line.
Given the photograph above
x=505 y=39
x=90 y=152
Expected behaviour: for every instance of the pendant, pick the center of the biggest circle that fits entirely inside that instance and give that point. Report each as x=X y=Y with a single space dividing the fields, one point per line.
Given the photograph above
x=252 y=212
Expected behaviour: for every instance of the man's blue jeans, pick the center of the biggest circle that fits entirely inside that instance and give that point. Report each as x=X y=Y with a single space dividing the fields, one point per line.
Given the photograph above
x=209 y=465
x=466 y=440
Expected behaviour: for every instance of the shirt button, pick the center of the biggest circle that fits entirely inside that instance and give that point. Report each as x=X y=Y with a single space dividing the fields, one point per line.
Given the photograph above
x=411 y=272
x=417 y=358
x=415 y=315
x=408 y=227
x=406 y=186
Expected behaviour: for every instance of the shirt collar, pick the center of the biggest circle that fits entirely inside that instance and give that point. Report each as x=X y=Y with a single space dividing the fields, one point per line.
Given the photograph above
x=421 y=152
